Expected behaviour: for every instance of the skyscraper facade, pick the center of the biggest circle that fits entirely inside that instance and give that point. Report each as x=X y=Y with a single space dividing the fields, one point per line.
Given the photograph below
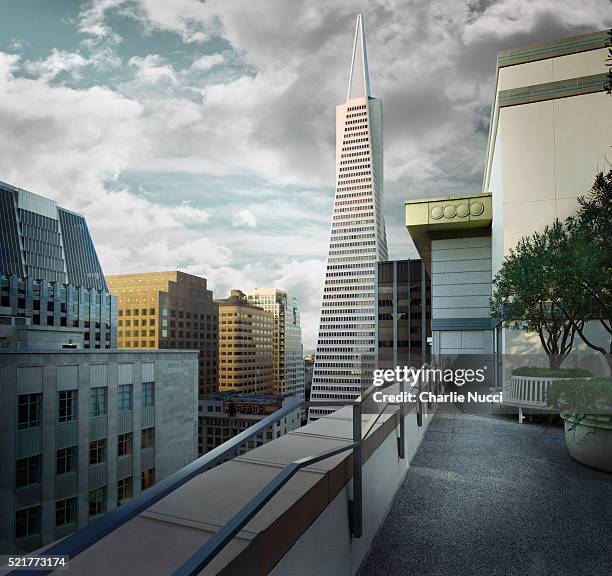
x=40 y=240
x=404 y=314
x=246 y=346
x=51 y=280
x=288 y=350
x=169 y=310
x=346 y=348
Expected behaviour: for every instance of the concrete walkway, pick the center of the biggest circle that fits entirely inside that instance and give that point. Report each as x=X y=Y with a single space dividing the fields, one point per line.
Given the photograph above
x=486 y=495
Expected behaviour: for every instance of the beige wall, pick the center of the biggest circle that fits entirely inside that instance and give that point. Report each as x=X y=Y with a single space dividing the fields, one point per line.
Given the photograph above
x=551 y=152
x=542 y=155
x=552 y=69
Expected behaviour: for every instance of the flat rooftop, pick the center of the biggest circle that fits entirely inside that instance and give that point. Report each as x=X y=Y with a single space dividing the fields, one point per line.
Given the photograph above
x=486 y=495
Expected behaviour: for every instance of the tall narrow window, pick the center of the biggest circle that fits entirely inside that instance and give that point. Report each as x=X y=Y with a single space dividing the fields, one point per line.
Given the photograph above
x=97 y=452
x=124 y=490
x=65 y=512
x=27 y=471
x=27 y=522
x=148 y=438
x=148 y=394
x=124 y=444
x=66 y=405
x=97 y=401
x=148 y=478
x=97 y=501
x=124 y=398
x=66 y=460
x=29 y=411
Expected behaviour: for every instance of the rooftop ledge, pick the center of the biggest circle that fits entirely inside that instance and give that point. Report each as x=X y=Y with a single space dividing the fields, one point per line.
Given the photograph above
x=446 y=217
x=285 y=537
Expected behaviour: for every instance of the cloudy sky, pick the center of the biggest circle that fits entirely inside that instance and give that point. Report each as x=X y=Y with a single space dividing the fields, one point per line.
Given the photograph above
x=199 y=135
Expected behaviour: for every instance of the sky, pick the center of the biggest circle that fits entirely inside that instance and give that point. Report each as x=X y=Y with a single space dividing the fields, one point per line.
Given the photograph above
x=199 y=135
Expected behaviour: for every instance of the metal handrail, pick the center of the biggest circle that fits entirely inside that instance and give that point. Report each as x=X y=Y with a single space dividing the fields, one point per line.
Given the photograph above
x=208 y=551
x=80 y=541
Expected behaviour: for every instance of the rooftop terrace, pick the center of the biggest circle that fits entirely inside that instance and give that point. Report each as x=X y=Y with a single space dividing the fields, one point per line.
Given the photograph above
x=442 y=492
x=485 y=495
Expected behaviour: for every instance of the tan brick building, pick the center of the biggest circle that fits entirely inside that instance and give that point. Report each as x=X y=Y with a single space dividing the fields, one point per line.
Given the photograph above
x=169 y=310
x=246 y=346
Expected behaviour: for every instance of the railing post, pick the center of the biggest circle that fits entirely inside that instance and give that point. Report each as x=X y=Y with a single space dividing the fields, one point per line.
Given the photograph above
x=356 y=506
x=402 y=425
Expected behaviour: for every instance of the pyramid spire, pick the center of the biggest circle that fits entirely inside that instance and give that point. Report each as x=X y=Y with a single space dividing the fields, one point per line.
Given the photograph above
x=359 y=81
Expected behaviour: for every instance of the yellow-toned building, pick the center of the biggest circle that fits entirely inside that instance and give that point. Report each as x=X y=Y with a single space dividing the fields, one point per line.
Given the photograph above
x=169 y=310
x=246 y=346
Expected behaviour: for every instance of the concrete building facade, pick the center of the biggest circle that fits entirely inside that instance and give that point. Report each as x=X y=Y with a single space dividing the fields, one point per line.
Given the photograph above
x=82 y=431
x=169 y=310
x=288 y=349
x=227 y=414
x=346 y=347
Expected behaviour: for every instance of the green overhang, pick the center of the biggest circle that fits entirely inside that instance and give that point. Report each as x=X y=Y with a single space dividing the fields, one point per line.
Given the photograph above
x=447 y=217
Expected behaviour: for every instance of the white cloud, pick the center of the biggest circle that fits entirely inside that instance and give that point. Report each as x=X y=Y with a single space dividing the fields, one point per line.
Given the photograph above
x=245 y=218
x=207 y=62
x=152 y=69
x=270 y=114
x=58 y=61
x=92 y=21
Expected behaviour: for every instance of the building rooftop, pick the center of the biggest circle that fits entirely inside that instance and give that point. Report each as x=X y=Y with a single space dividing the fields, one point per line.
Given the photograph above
x=485 y=495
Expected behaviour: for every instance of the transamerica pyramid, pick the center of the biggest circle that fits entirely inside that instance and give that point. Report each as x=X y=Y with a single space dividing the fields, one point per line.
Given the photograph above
x=346 y=347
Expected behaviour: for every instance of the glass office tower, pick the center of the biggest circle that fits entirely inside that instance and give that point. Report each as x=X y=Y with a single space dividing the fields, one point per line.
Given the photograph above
x=50 y=275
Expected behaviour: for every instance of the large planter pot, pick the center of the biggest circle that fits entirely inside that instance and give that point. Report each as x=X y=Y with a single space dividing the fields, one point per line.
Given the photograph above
x=589 y=439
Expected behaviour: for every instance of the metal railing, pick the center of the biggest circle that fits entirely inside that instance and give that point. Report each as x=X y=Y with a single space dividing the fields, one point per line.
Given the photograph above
x=208 y=551
x=80 y=541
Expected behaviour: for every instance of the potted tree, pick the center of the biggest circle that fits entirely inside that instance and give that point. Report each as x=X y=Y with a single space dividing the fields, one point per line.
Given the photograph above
x=586 y=408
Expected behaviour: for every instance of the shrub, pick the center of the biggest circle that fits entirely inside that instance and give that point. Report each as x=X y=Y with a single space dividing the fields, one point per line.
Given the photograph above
x=581 y=396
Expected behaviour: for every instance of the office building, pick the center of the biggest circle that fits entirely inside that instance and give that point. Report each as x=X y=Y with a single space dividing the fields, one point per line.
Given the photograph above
x=50 y=275
x=226 y=414
x=346 y=348
x=246 y=346
x=308 y=370
x=84 y=430
x=549 y=135
x=43 y=241
x=404 y=314
x=169 y=310
x=288 y=349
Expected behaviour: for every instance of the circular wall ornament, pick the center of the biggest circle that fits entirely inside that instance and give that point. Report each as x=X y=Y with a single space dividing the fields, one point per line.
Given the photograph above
x=450 y=211
x=476 y=208
x=436 y=212
x=463 y=210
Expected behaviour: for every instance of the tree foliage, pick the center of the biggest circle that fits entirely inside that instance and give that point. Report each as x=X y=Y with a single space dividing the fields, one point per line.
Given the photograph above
x=525 y=291
x=556 y=281
x=586 y=287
